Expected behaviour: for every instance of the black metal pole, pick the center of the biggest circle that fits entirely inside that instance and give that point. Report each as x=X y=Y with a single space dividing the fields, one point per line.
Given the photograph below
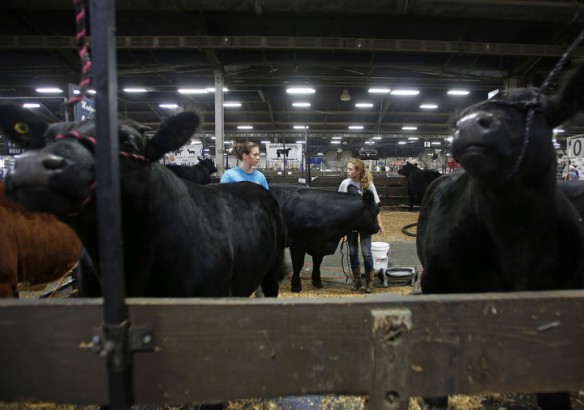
x=115 y=331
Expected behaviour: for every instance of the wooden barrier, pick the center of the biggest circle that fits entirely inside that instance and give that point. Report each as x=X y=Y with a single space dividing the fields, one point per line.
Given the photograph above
x=387 y=346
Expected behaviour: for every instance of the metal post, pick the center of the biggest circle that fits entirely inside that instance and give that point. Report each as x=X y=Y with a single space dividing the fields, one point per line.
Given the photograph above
x=220 y=162
x=306 y=158
x=115 y=330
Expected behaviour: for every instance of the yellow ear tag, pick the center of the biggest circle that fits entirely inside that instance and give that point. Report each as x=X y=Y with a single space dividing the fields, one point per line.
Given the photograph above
x=21 y=128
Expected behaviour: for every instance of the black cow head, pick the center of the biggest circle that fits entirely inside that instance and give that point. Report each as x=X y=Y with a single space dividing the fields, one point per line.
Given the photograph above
x=57 y=174
x=493 y=142
x=209 y=164
x=407 y=169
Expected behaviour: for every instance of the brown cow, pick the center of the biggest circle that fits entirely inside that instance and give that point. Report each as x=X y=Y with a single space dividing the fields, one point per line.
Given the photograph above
x=34 y=248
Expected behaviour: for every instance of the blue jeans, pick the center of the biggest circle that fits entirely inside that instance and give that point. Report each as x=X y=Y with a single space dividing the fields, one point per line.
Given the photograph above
x=353 y=241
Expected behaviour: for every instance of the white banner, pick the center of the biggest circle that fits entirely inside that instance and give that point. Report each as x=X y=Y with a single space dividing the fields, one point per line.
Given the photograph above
x=280 y=152
x=576 y=146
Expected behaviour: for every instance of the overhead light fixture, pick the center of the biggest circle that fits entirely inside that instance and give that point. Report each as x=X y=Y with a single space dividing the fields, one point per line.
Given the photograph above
x=413 y=138
x=458 y=92
x=265 y=142
x=299 y=142
x=245 y=127
x=135 y=90
x=428 y=106
x=193 y=91
x=345 y=96
x=379 y=90
x=77 y=92
x=31 y=105
x=377 y=137
x=355 y=127
x=364 y=105
x=405 y=92
x=301 y=127
x=300 y=90
x=409 y=128
x=337 y=138
x=401 y=142
x=335 y=142
x=232 y=104
x=212 y=89
x=301 y=104
x=169 y=106
x=558 y=130
x=48 y=90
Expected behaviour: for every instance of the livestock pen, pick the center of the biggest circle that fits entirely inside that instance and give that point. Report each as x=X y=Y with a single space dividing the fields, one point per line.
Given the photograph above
x=390 y=348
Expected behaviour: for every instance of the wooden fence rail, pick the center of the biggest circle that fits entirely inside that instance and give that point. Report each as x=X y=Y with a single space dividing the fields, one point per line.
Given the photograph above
x=387 y=346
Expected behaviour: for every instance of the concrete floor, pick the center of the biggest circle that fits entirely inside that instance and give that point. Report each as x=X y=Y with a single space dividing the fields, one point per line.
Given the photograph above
x=335 y=269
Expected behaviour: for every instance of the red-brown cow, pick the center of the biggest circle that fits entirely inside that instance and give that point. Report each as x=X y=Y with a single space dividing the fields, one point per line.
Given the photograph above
x=34 y=248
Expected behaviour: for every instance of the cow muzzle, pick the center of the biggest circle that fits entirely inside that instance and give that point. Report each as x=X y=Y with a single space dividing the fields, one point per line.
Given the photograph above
x=33 y=170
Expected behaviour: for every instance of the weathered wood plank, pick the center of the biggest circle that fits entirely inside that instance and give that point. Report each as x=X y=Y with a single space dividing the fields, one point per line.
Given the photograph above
x=234 y=348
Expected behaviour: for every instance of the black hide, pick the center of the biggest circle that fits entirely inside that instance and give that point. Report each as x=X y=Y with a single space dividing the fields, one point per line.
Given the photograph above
x=418 y=182
x=199 y=173
x=318 y=219
x=502 y=224
x=179 y=239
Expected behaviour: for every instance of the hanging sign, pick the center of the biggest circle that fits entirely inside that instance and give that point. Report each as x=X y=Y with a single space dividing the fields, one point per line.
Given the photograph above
x=576 y=146
x=280 y=152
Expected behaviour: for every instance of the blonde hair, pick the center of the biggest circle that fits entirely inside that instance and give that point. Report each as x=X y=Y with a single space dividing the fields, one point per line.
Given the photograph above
x=243 y=148
x=365 y=177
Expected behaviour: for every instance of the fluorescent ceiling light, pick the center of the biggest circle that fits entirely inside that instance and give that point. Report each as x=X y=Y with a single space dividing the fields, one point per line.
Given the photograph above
x=232 y=104
x=379 y=90
x=301 y=104
x=320 y=153
x=299 y=142
x=192 y=91
x=412 y=138
x=77 y=92
x=245 y=127
x=355 y=127
x=405 y=92
x=435 y=143
x=168 y=106
x=135 y=90
x=212 y=89
x=364 y=105
x=401 y=142
x=48 y=90
x=31 y=105
x=335 y=142
x=458 y=92
x=301 y=127
x=558 y=130
x=300 y=90
x=337 y=138
x=377 y=138
x=428 y=106
x=265 y=142
x=409 y=128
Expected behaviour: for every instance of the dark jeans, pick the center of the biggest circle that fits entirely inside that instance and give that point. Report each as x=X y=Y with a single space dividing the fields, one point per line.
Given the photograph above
x=353 y=241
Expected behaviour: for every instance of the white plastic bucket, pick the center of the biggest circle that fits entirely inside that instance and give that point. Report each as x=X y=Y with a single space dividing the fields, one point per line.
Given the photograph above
x=380 y=252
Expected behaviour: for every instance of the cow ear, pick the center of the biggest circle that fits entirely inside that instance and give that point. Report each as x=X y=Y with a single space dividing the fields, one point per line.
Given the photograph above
x=368 y=196
x=570 y=98
x=173 y=134
x=21 y=126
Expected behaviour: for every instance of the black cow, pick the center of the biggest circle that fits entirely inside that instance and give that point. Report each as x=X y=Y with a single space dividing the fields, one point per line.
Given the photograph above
x=283 y=152
x=180 y=239
x=418 y=181
x=502 y=224
x=199 y=173
x=318 y=219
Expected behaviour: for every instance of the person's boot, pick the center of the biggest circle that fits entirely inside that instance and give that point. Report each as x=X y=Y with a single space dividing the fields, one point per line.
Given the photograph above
x=356 y=279
x=370 y=278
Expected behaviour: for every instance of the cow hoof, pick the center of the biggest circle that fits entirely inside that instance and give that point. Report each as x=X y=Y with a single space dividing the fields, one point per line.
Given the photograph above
x=296 y=285
x=317 y=284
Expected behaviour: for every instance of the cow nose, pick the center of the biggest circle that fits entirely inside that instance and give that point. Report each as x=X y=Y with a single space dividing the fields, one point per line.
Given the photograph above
x=53 y=162
x=484 y=120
